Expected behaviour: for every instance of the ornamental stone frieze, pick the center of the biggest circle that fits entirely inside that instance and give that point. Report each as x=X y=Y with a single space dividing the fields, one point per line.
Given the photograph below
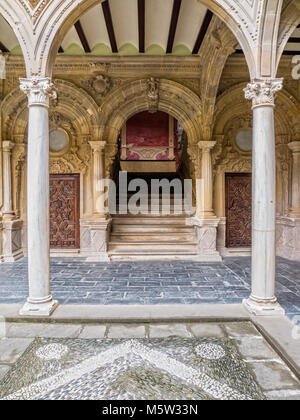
x=39 y=90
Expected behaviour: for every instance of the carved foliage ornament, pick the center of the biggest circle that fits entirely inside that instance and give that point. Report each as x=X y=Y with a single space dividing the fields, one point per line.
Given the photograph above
x=262 y=92
x=153 y=94
x=39 y=90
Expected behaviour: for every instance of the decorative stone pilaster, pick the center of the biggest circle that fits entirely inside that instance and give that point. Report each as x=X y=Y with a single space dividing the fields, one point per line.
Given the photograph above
x=263 y=300
x=206 y=235
x=7 y=210
x=206 y=211
x=295 y=201
x=39 y=91
x=98 y=175
x=94 y=237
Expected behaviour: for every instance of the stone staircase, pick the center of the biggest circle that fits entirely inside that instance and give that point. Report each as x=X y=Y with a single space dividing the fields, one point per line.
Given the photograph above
x=151 y=237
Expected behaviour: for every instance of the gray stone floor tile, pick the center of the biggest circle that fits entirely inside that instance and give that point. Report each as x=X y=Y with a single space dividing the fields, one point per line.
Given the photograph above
x=3 y=370
x=273 y=376
x=206 y=330
x=93 y=331
x=22 y=330
x=12 y=348
x=126 y=331
x=169 y=330
x=61 y=331
x=255 y=348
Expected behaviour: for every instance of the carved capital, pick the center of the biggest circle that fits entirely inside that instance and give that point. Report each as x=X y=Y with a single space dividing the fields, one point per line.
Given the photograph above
x=39 y=90
x=97 y=146
x=262 y=91
x=206 y=146
x=7 y=146
x=295 y=147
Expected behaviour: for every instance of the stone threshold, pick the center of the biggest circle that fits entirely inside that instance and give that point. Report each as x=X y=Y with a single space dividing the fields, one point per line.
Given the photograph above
x=99 y=314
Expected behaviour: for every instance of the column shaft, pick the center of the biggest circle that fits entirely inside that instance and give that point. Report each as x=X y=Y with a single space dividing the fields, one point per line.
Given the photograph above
x=40 y=301
x=98 y=176
x=8 y=212
x=262 y=300
x=207 y=179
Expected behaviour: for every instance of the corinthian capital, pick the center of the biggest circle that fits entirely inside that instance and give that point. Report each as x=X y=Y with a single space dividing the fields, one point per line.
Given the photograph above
x=262 y=91
x=39 y=90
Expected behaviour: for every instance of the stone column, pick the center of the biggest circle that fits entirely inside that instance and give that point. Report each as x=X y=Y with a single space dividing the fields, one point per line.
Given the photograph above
x=295 y=205
x=1 y=239
x=98 y=176
x=262 y=300
x=39 y=91
x=7 y=210
x=207 y=179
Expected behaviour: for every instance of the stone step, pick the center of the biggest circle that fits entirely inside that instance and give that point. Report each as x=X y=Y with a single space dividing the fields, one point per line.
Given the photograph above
x=132 y=228
x=149 y=220
x=151 y=236
x=142 y=247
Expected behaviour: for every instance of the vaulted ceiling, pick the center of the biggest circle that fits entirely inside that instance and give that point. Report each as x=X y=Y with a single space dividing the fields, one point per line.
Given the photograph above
x=132 y=27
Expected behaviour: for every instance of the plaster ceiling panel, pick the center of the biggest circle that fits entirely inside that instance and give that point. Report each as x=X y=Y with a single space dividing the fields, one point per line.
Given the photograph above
x=71 y=38
x=296 y=33
x=7 y=36
x=125 y=20
x=293 y=46
x=191 y=17
x=94 y=27
x=158 y=19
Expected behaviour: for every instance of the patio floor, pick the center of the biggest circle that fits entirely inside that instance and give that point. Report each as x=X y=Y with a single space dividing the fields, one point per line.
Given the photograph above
x=75 y=281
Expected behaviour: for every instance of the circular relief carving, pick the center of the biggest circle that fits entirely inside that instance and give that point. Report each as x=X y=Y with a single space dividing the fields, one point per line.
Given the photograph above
x=101 y=84
x=58 y=140
x=210 y=351
x=244 y=140
x=52 y=352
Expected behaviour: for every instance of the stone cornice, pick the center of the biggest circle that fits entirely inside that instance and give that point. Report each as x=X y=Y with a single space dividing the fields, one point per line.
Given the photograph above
x=116 y=66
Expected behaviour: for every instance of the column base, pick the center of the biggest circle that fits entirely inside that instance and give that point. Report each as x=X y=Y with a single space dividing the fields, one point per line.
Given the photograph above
x=39 y=309
x=263 y=308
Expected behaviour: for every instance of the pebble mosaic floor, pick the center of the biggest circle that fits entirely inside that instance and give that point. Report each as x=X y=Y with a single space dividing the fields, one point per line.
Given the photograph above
x=75 y=281
x=194 y=361
x=136 y=369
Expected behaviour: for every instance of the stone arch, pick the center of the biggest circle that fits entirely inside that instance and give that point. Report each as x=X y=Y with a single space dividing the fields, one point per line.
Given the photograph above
x=227 y=158
x=131 y=98
x=75 y=112
x=285 y=122
x=72 y=102
x=46 y=23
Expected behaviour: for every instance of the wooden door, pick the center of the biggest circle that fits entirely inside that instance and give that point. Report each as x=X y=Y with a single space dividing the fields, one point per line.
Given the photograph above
x=238 y=210
x=64 y=211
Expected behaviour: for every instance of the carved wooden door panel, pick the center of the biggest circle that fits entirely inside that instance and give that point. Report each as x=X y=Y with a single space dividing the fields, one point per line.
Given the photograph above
x=238 y=210
x=64 y=211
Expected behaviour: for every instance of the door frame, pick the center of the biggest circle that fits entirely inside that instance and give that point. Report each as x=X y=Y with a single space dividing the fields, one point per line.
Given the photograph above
x=227 y=176
x=76 y=177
